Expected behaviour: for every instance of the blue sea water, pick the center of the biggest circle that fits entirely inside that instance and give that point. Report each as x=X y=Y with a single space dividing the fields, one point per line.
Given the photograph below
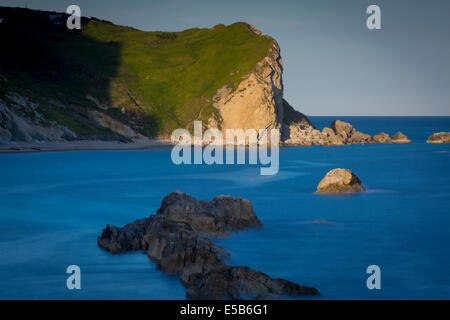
x=54 y=205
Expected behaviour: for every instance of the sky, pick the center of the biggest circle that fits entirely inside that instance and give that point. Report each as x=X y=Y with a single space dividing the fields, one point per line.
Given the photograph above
x=333 y=64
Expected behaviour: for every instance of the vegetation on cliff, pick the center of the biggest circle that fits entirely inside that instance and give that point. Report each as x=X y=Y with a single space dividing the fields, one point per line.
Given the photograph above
x=153 y=82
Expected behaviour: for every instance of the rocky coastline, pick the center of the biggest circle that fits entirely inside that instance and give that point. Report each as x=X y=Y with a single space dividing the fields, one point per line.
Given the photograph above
x=179 y=238
x=340 y=133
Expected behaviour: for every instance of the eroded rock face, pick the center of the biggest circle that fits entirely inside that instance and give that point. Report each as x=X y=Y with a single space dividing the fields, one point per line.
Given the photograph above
x=305 y=136
x=348 y=134
x=177 y=248
x=20 y=121
x=400 y=138
x=342 y=129
x=257 y=102
x=177 y=238
x=439 y=137
x=127 y=238
x=359 y=137
x=340 y=133
x=241 y=282
x=340 y=181
x=217 y=216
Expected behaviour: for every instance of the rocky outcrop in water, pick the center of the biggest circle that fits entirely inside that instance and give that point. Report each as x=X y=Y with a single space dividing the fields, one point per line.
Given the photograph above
x=400 y=138
x=439 y=137
x=340 y=181
x=382 y=137
x=217 y=216
x=240 y=282
x=178 y=238
x=340 y=133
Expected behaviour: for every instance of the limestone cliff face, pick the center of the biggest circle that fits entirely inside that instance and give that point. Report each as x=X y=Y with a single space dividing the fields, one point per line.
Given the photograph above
x=257 y=102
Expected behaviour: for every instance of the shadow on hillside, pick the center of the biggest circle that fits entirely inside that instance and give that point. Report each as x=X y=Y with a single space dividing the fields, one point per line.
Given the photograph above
x=40 y=54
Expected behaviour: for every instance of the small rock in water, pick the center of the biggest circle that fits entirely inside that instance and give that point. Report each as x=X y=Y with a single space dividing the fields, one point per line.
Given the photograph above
x=382 y=137
x=340 y=181
x=439 y=137
x=400 y=138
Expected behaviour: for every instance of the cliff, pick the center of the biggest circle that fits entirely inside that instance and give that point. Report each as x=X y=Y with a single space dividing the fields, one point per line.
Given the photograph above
x=257 y=102
x=113 y=82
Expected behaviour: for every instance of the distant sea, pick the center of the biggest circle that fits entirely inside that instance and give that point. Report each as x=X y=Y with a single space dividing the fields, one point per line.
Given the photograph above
x=54 y=205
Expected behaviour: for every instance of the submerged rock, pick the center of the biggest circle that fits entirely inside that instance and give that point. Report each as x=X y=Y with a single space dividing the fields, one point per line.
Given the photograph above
x=400 y=138
x=439 y=137
x=340 y=181
x=177 y=238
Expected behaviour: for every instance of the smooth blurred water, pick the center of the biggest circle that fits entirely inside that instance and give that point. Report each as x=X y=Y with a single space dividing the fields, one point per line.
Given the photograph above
x=54 y=205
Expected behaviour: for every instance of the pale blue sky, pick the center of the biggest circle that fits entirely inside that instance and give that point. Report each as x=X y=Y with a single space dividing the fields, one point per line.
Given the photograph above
x=333 y=65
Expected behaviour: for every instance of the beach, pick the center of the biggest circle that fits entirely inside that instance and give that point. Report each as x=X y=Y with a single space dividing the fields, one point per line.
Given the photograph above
x=80 y=145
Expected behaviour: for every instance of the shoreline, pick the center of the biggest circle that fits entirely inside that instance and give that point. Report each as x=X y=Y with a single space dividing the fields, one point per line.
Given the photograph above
x=80 y=145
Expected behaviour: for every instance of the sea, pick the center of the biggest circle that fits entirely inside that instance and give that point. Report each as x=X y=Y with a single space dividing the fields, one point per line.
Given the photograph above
x=54 y=205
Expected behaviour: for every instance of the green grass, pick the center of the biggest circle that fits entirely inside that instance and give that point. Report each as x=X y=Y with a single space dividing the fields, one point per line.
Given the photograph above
x=163 y=80
x=175 y=76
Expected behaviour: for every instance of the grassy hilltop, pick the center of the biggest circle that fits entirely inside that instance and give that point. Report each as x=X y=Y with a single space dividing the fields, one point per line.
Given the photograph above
x=152 y=81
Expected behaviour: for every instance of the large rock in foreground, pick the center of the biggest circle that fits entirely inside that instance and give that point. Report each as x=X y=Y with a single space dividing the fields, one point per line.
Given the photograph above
x=439 y=137
x=217 y=216
x=238 y=282
x=340 y=181
x=178 y=239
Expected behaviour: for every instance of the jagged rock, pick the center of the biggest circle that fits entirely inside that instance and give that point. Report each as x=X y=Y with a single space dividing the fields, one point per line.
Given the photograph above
x=342 y=129
x=346 y=134
x=400 y=138
x=340 y=181
x=217 y=216
x=440 y=137
x=257 y=102
x=178 y=248
x=127 y=238
x=305 y=136
x=328 y=132
x=340 y=133
x=240 y=283
x=177 y=239
x=359 y=137
x=331 y=137
x=382 y=137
